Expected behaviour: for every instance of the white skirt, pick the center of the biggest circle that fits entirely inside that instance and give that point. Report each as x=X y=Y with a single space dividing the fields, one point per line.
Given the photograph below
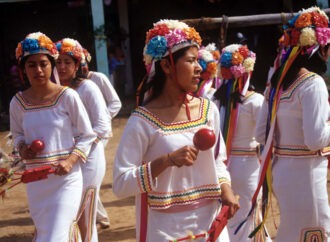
x=163 y=226
x=54 y=204
x=300 y=186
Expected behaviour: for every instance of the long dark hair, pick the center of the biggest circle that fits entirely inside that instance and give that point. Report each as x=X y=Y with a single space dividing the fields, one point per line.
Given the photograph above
x=313 y=63
x=157 y=82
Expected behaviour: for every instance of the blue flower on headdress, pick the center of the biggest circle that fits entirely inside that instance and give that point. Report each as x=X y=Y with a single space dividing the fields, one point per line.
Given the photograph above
x=30 y=45
x=157 y=47
x=203 y=64
x=293 y=20
x=58 y=45
x=225 y=59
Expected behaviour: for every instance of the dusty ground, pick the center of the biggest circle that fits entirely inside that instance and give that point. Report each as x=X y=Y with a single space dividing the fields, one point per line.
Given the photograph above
x=16 y=225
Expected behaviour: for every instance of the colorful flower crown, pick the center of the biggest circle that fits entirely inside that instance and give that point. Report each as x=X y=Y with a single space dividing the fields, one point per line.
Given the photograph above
x=35 y=43
x=236 y=60
x=308 y=28
x=168 y=35
x=71 y=47
x=208 y=58
x=87 y=55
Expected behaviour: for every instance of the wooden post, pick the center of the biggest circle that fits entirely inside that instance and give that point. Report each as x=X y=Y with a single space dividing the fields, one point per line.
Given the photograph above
x=242 y=21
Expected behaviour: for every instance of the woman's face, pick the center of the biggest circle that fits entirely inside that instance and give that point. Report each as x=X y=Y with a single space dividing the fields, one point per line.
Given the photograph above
x=66 y=68
x=188 y=70
x=38 y=69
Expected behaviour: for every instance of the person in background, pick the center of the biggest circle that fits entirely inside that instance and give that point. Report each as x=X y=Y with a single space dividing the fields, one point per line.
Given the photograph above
x=293 y=125
x=68 y=66
x=208 y=58
x=239 y=108
x=113 y=103
x=53 y=114
x=178 y=188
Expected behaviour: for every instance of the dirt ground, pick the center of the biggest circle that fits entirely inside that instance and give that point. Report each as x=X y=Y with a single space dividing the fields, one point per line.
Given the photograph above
x=17 y=226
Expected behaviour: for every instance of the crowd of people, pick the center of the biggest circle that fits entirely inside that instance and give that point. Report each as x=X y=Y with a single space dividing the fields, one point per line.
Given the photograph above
x=274 y=143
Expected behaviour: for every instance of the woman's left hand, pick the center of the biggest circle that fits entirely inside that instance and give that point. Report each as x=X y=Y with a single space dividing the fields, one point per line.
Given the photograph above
x=65 y=166
x=228 y=198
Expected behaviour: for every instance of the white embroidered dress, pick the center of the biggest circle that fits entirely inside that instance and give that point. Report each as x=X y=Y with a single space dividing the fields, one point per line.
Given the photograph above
x=94 y=169
x=53 y=202
x=179 y=199
x=299 y=172
x=244 y=165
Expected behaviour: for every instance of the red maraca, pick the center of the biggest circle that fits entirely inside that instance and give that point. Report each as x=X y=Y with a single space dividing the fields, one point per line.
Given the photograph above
x=204 y=139
x=37 y=145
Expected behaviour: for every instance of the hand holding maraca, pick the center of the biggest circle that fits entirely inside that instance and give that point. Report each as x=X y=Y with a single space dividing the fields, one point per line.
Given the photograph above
x=204 y=139
x=30 y=151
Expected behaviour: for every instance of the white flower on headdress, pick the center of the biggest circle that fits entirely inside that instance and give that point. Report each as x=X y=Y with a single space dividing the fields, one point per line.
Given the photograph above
x=249 y=64
x=173 y=24
x=206 y=55
x=314 y=9
x=34 y=35
x=232 y=48
x=307 y=37
x=211 y=47
x=68 y=41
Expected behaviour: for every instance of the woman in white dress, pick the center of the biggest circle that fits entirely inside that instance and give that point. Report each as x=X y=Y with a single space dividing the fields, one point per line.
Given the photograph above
x=239 y=108
x=113 y=103
x=179 y=189
x=68 y=63
x=294 y=124
x=53 y=114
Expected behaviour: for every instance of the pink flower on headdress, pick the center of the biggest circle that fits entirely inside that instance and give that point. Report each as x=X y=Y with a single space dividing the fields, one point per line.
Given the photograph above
x=322 y=35
x=237 y=70
x=307 y=37
x=175 y=37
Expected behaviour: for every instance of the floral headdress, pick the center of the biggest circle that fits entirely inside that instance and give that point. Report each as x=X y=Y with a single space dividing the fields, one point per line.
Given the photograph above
x=168 y=36
x=308 y=28
x=35 y=43
x=208 y=58
x=87 y=55
x=71 y=47
x=236 y=60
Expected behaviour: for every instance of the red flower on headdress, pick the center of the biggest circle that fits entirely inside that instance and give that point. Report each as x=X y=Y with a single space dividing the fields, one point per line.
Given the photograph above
x=244 y=51
x=319 y=20
x=295 y=33
x=304 y=20
x=159 y=29
x=226 y=73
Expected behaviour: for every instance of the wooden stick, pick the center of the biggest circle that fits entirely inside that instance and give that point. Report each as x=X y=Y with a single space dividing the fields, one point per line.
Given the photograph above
x=242 y=21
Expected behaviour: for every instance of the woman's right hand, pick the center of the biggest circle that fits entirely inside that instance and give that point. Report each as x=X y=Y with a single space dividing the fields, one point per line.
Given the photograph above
x=25 y=152
x=184 y=156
